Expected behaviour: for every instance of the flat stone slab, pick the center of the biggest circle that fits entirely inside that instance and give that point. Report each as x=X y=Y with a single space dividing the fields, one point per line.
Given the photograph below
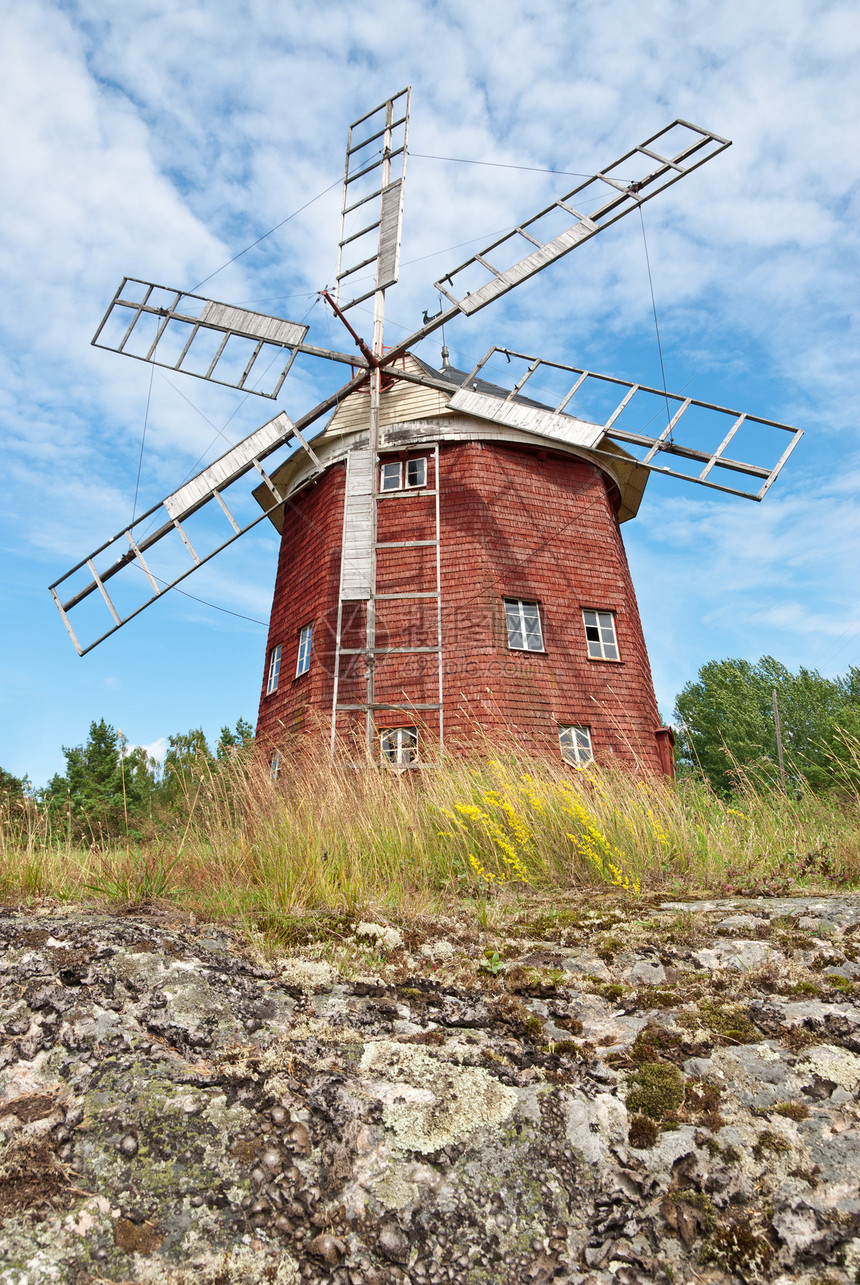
x=737 y=954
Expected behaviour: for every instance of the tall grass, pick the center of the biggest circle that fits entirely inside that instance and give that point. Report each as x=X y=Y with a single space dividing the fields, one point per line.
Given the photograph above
x=335 y=840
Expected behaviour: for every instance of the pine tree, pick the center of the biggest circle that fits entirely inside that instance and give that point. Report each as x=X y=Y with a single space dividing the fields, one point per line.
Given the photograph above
x=106 y=785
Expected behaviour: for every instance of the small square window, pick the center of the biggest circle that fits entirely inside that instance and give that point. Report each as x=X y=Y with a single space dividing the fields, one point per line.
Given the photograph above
x=389 y=476
x=523 y=621
x=274 y=670
x=399 y=746
x=575 y=745
x=304 y=661
x=416 y=472
x=600 y=635
x=275 y=767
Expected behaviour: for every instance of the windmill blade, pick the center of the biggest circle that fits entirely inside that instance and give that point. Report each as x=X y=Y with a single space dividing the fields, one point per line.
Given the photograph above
x=620 y=188
x=602 y=413
x=226 y=345
x=136 y=580
x=372 y=206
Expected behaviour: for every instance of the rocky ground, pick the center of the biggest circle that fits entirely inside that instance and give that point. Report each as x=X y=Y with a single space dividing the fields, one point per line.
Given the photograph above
x=604 y=1092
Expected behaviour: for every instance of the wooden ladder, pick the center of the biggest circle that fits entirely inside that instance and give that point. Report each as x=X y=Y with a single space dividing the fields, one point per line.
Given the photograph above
x=358 y=578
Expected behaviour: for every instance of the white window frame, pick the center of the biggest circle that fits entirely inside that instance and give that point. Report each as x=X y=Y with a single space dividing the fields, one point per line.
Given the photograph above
x=575 y=742
x=390 y=476
x=274 y=670
x=515 y=622
x=605 y=645
x=275 y=767
x=398 y=746
x=394 y=475
x=303 y=663
x=419 y=463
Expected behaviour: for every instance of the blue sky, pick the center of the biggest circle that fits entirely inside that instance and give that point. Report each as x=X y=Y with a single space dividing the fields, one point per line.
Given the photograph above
x=158 y=140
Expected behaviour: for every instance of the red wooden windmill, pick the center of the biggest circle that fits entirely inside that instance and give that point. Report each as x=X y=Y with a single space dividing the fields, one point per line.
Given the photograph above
x=451 y=559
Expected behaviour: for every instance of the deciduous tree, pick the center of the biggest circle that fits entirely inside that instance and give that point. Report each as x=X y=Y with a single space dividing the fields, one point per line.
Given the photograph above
x=726 y=721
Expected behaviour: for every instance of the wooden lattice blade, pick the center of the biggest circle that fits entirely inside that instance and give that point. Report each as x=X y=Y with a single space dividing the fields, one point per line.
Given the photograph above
x=368 y=255
x=533 y=419
x=201 y=337
x=554 y=231
x=697 y=441
x=231 y=346
x=172 y=539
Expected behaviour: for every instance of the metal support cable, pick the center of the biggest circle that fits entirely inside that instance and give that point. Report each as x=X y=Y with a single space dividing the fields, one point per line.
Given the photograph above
x=301 y=208
x=142 y=441
x=656 y=323
x=502 y=165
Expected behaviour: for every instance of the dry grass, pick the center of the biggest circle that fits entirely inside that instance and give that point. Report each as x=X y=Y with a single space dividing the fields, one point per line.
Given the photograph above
x=335 y=841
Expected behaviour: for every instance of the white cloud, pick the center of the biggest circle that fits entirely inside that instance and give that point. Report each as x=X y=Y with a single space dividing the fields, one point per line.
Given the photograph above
x=156 y=749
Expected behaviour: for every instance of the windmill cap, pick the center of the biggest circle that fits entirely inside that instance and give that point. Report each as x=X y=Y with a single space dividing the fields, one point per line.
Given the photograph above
x=414 y=416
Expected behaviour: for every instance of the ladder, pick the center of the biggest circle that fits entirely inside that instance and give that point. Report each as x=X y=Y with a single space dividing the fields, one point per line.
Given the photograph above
x=362 y=569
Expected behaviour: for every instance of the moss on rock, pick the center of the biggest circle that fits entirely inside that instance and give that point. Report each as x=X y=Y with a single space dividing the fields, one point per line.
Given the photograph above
x=658 y=1088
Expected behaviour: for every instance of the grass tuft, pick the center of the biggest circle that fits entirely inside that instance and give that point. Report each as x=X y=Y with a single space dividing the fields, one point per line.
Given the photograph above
x=330 y=842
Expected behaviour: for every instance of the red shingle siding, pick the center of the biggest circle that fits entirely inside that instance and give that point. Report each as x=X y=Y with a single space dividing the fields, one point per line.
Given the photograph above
x=515 y=523
x=306 y=592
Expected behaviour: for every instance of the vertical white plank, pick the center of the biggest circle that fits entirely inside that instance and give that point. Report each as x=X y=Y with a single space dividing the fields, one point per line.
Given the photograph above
x=356 y=565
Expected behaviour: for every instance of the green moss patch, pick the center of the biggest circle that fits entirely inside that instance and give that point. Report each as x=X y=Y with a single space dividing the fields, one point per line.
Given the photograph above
x=642 y=1133
x=657 y=1089
x=793 y=1110
x=729 y=1022
x=739 y=1249
x=654 y=1043
x=702 y=1103
x=770 y=1143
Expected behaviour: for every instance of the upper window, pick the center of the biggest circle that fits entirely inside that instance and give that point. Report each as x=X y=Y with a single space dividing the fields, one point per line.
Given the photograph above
x=304 y=661
x=600 y=635
x=416 y=472
x=575 y=745
x=389 y=476
x=274 y=670
x=523 y=621
x=395 y=475
x=399 y=746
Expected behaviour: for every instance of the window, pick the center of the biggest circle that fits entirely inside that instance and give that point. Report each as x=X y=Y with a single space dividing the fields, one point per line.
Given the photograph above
x=416 y=472
x=523 y=621
x=399 y=746
x=275 y=767
x=389 y=477
x=600 y=634
x=394 y=475
x=304 y=661
x=575 y=745
x=274 y=670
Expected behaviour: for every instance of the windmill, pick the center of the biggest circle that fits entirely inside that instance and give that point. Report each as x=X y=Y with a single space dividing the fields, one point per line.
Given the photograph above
x=450 y=546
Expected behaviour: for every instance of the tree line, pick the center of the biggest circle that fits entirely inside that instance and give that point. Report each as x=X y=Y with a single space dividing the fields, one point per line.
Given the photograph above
x=111 y=788
x=725 y=725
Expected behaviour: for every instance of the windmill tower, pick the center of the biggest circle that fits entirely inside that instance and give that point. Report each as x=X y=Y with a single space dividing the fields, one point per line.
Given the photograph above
x=451 y=561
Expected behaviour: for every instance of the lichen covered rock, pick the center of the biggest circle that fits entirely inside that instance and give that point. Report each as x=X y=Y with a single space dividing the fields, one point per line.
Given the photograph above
x=602 y=1109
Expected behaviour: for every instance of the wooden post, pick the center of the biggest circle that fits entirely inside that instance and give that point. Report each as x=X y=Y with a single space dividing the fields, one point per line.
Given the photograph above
x=373 y=443
x=779 y=742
